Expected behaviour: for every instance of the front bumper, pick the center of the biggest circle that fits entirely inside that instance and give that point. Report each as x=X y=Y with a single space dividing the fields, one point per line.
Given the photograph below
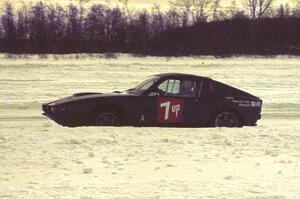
x=61 y=118
x=64 y=117
x=56 y=119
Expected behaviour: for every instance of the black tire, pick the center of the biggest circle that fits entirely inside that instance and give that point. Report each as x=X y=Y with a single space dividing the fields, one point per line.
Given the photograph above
x=107 y=119
x=225 y=119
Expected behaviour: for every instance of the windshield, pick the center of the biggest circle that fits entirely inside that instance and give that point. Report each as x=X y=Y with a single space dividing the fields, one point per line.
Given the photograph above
x=144 y=85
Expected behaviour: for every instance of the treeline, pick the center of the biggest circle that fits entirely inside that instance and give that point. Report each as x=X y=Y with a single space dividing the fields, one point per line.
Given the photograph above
x=182 y=30
x=236 y=36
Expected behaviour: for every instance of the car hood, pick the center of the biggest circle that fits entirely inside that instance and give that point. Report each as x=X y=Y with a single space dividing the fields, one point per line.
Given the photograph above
x=86 y=95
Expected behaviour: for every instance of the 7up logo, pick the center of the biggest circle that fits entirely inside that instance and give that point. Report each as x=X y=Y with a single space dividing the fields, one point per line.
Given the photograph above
x=170 y=110
x=175 y=109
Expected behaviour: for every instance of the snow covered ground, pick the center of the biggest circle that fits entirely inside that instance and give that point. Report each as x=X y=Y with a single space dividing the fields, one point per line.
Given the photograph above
x=39 y=159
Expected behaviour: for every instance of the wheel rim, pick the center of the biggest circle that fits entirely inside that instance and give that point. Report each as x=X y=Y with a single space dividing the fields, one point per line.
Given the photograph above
x=107 y=119
x=226 y=119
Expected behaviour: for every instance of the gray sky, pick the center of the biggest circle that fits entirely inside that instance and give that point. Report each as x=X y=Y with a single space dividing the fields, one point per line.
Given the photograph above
x=165 y=2
x=136 y=3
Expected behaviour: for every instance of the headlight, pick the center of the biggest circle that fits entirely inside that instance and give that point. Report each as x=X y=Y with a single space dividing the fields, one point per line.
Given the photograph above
x=53 y=109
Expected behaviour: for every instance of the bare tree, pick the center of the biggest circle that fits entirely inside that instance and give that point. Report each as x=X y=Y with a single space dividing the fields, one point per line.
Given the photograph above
x=22 y=23
x=56 y=17
x=8 y=23
x=158 y=21
x=39 y=32
x=215 y=9
x=296 y=10
x=125 y=7
x=283 y=11
x=117 y=25
x=95 y=23
x=173 y=18
x=143 y=24
x=258 y=8
x=201 y=8
x=185 y=9
x=232 y=9
x=74 y=29
x=196 y=9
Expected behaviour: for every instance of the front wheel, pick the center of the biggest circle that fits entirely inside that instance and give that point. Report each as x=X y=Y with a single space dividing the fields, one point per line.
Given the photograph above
x=107 y=119
x=225 y=119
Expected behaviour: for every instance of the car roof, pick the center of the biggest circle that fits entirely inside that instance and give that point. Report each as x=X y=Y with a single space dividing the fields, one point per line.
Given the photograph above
x=179 y=75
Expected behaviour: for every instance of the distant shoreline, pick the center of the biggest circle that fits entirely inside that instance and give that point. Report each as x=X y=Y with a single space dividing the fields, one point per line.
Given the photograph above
x=119 y=55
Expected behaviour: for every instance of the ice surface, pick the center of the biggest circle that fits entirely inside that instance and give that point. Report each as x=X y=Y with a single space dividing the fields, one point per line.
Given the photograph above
x=39 y=159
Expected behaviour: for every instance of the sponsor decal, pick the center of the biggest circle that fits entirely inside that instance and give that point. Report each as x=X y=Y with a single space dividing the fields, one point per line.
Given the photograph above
x=229 y=98
x=255 y=104
x=244 y=103
x=170 y=110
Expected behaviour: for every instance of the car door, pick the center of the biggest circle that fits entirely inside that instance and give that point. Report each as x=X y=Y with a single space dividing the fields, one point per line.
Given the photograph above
x=178 y=102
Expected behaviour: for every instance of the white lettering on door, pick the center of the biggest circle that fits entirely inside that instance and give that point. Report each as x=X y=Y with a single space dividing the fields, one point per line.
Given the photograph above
x=175 y=109
x=167 y=110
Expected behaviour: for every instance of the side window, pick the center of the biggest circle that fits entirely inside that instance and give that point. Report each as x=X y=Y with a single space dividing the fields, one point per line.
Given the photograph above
x=206 y=89
x=201 y=91
x=170 y=87
x=178 y=88
x=188 y=88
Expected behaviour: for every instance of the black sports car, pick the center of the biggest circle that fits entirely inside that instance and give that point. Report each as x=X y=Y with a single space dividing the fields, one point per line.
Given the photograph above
x=170 y=99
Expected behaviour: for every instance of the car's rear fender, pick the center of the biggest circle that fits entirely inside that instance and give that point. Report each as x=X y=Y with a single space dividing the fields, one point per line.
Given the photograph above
x=224 y=108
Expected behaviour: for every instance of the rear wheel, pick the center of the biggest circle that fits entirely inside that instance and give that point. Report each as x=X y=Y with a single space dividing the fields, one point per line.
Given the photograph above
x=226 y=119
x=107 y=119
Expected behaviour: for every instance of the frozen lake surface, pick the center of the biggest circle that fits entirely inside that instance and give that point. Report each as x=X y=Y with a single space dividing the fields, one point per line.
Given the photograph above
x=39 y=159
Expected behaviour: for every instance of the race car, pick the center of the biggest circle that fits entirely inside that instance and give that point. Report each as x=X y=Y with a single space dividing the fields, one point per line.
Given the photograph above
x=166 y=100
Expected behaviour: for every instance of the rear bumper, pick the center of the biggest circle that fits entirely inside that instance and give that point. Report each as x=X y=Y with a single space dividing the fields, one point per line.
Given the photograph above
x=251 y=120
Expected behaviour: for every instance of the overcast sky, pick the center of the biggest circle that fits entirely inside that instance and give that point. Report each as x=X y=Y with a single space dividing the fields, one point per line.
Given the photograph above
x=137 y=3
x=142 y=3
x=165 y=2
